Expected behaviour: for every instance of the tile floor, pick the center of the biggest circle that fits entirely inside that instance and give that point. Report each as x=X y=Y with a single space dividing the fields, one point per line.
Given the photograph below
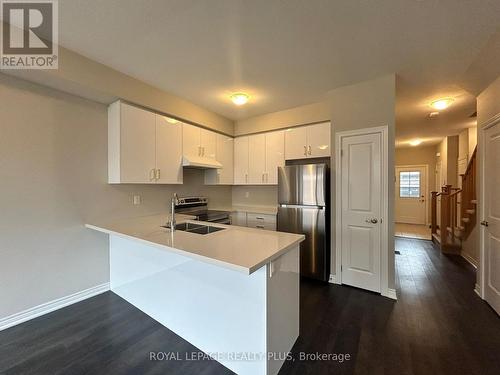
x=422 y=232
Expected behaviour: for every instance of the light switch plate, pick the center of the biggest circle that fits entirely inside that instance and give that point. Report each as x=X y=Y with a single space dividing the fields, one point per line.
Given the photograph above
x=137 y=200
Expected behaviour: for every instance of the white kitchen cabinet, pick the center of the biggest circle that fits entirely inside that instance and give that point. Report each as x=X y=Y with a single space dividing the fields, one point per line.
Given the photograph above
x=208 y=143
x=198 y=142
x=312 y=141
x=224 y=154
x=257 y=158
x=318 y=140
x=275 y=156
x=239 y=218
x=241 y=160
x=168 y=151
x=139 y=147
x=295 y=143
x=261 y=221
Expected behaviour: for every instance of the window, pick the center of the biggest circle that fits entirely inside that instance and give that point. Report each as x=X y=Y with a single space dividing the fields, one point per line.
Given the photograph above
x=409 y=184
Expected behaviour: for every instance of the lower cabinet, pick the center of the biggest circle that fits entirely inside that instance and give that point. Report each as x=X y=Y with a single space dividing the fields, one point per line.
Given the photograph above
x=253 y=220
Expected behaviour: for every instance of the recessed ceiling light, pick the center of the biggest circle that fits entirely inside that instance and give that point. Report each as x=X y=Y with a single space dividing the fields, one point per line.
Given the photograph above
x=441 y=104
x=240 y=98
x=415 y=142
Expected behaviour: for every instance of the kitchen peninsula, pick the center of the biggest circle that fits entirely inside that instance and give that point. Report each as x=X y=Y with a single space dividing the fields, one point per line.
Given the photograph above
x=233 y=292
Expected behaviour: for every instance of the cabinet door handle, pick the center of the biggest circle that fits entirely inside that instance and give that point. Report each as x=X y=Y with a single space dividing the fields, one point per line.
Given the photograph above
x=309 y=152
x=246 y=178
x=152 y=174
x=203 y=151
x=259 y=226
x=259 y=218
x=262 y=177
x=158 y=174
x=305 y=151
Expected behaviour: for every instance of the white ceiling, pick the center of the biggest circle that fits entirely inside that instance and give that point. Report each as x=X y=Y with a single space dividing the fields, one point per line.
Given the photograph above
x=287 y=53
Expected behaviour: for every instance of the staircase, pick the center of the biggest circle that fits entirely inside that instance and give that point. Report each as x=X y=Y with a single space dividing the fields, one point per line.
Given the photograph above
x=458 y=210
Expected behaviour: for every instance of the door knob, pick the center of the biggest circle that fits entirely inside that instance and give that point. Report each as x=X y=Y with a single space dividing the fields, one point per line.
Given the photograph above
x=484 y=223
x=371 y=221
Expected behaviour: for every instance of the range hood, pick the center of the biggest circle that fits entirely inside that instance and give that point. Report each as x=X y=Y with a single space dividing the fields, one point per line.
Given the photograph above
x=200 y=162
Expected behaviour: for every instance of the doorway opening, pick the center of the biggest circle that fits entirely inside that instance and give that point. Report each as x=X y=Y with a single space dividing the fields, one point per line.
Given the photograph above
x=411 y=202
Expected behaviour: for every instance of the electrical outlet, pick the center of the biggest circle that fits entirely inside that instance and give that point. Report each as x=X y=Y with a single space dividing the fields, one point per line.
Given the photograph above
x=137 y=200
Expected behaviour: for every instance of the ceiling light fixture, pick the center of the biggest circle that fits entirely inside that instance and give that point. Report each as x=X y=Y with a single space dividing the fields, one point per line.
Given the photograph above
x=441 y=104
x=240 y=98
x=415 y=142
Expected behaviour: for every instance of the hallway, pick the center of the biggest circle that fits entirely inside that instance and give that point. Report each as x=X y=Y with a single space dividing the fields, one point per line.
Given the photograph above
x=437 y=326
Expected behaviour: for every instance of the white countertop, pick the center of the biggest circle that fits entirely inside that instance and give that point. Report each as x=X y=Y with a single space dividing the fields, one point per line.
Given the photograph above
x=238 y=248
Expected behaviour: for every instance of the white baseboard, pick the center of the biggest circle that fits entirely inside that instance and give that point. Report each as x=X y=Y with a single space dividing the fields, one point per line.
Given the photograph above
x=391 y=293
x=469 y=259
x=477 y=289
x=333 y=279
x=48 y=307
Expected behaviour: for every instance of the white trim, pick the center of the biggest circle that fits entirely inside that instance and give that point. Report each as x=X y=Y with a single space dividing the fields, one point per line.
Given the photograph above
x=427 y=192
x=469 y=259
x=53 y=305
x=384 y=237
x=391 y=293
x=477 y=289
x=482 y=208
x=332 y=279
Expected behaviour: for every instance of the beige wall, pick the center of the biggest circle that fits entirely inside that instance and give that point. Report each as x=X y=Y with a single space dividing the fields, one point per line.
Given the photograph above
x=424 y=155
x=448 y=150
x=306 y=114
x=53 y=168
x=472 y=140
x=89 y=79
x=255 y=196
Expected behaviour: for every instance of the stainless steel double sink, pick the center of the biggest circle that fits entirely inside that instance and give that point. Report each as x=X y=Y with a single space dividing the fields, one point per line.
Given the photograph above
x=196 y=228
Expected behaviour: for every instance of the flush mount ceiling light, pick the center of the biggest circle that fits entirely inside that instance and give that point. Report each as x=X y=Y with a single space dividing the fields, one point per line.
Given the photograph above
x=415 y=142
x=441 y=104
x=239 y=98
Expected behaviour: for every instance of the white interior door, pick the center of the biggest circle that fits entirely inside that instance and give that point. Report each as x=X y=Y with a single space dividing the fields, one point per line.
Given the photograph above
x=361 y=211
x=439 y=174
x=491 y=252
x=411 y=194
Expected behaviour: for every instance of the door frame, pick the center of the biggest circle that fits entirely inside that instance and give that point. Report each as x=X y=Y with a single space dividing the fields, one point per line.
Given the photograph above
x=427 y=186
x=384 y=194
x=479 y=289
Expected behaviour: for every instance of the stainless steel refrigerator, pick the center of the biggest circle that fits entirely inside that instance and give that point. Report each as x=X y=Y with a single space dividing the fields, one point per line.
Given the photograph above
x=303 y=197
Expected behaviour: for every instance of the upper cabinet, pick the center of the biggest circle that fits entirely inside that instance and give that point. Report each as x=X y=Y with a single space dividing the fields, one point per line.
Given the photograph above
x=312 y=141
x=224 y=154
x=257 y=158
x=199 y=142
x=142 y=147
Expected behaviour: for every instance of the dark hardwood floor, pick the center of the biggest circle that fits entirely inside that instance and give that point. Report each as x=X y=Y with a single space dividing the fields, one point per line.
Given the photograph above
x=437 y=326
